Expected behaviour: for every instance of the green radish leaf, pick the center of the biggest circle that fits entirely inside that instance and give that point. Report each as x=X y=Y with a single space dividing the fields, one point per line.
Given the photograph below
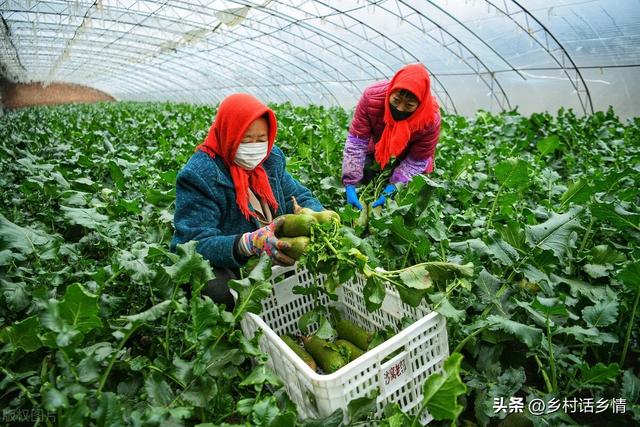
x=579 y=333
x=244 y=406
x=529 y=335
x=23 y=334
x=373 y=293
x=15 y=295
x=630 y=276
x=150 y=315
x=183 y=369
x=261 y=374
x=401 y=230
x=54 y=399
x=264 y=412
x=5 y=257
x=331 y=283
x=616 y=215
x=250 y=296
x=512 y=234
x=580 y=288
x=550 y=307
x=443 y=306
x=109 y=412
x=410 y=296
x=116 y=175
x=548 y=145
x=599 y=373
x=535 y=315
x=190 y=267
x=501 y=250
x=159 y=393
x=441 y=271
x=325 y=330
x=78 y=310
x=362 y=408
x=441 y=391
x=487 y=286
x=24 y=239
x=262 y=270
x=284 y=419
x=86 y=217
x=630 y=386
x=161 y=198
x=307 y=319
x=476 y=246
x=512 y=173
x=394 y=417
x=332 y=420
x=134 y=262
x=205 y=316
x=579 y=191
x=555 y=233
x=416 y=277
x=508 y=383
x=84 y=184
x=604 y=254
x=603 y=313
x=437 y=230
x=596 y=271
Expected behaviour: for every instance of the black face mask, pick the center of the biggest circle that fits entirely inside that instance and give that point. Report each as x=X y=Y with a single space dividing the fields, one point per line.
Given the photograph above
x=399 y=115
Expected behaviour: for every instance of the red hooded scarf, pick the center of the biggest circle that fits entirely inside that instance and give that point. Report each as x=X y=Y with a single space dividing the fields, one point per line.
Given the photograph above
x=396 y=134
x=235 y=114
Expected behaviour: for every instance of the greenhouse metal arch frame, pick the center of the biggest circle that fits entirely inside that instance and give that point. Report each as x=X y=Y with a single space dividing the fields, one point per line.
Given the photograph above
x=327 y=51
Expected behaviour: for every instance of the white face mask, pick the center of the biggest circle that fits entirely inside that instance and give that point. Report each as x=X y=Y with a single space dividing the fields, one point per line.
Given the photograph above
x=250 y=154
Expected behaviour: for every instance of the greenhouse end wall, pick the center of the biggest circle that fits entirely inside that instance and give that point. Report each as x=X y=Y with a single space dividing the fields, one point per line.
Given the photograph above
x=19 y=95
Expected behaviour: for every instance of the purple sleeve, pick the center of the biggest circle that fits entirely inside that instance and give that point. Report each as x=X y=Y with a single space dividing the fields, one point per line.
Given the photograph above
x=355 y=152
x=407 y=169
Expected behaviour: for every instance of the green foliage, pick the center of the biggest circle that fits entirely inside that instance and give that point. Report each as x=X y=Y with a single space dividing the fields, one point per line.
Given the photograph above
x=525 y=237
x=441 y=391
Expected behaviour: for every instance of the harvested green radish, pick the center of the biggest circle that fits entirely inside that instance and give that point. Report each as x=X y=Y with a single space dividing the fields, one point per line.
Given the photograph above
x=349 y=348
x=297 y=349
x=353 y=333
x=298 y=246
x=325 y=354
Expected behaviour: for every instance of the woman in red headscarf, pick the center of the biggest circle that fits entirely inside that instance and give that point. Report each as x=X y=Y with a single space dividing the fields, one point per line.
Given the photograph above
x=396 y=123
x=232 y=188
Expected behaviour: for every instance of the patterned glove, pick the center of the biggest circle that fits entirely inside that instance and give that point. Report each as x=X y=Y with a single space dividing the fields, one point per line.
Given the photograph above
x=387 y=192
x=352 y=197
x=264 y=240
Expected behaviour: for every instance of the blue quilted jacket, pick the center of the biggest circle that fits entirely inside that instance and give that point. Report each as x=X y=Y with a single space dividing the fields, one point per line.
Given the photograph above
x=206 y=208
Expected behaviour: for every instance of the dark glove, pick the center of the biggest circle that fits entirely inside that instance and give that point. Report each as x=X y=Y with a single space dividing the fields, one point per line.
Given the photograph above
x=387 y=192
x=352 y=197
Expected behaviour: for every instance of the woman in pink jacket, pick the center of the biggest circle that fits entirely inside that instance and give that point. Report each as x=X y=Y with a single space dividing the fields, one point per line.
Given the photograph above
x=394 y=119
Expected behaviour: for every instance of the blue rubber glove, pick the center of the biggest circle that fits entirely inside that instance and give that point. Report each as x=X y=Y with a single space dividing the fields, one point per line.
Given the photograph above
x=352 y=197
x=387 y=192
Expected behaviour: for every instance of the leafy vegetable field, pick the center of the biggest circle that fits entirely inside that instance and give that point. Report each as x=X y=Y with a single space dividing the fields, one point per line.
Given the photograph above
x=98 y=326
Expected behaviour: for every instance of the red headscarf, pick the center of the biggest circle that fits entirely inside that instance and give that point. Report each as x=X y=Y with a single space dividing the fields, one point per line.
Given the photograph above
x=235 y=114
x=396 y=134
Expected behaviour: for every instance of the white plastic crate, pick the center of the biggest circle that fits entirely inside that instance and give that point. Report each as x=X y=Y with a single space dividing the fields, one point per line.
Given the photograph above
x=423 y=347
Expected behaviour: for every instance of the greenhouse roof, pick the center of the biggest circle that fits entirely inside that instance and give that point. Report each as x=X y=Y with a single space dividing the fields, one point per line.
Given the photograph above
x=491 y=54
